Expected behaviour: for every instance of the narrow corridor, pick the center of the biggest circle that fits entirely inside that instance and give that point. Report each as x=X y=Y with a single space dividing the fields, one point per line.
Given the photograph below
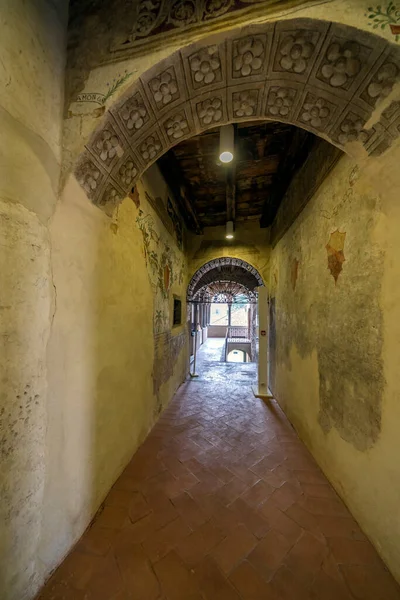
x=222 y=502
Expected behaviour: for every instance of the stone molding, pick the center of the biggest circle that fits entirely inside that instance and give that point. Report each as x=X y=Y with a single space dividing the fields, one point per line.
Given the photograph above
x=224 y=269
x=324 y=77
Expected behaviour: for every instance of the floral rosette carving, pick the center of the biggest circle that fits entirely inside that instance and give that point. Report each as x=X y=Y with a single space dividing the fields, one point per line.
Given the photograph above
x=150 y=148
x=88 y=177
x=164 y=88
x=295 y=52
x=128 y=172
x=205 y=65
x=111 y=196
x=210 y=111
x=352 y=130
x=134 y=114
x=383 y=82
x=315 y=112
x=106 y=145
x=176 y=127
x=245 y=103
x=280 y=102
x=249 y=56
x=343 y=64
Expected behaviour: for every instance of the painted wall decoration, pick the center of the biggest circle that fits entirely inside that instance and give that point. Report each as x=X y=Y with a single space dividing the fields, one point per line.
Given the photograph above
x=157 y=20
x=166 y=352
x=335 y=251
x=112 y=87
x=165 y=266
x=385 y=18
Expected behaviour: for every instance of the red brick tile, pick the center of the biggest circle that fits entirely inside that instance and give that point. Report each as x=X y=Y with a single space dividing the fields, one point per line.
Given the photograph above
x=176 y=580
x=163 y=511
x=177 y=504
x=266 y=464
x=58 y=590
x=285 y=496
x=222 y=473
x=236 y=546
x=138 y=507
x=287 y=587
x=278 y=521
x=138 y=531
x=311 y=477
x=77 y=569
x=230 y=491
x=258 y=493
x=306 y=557
x=96 y=540
x=250 y=518
x=106 y=581
x=370 y=582
x=189 y=510
x=318 y=490
x=244 y=473
x=326 y=588
x=112 y=517
x=340 y=527
x=250 y=585
x=200 y=542
x=304 y=519
x=324 y=506
x=353 y=552
x=137 y=575
x=212 y=583
x=269 y=554
x=165 y=539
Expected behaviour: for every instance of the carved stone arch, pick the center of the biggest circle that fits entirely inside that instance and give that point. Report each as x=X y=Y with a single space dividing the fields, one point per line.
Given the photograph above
x=324 y=77
x=221 y=270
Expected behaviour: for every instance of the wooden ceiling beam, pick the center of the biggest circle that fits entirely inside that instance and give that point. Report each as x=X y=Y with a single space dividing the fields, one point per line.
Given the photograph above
x=295 y=156
x=175 y=180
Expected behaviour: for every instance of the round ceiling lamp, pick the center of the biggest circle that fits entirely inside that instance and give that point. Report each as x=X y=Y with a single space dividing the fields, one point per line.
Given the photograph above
x=226 y=143
x=229 y=230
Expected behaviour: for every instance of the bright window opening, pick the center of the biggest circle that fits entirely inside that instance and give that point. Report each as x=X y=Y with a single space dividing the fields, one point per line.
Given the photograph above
x=219 y=314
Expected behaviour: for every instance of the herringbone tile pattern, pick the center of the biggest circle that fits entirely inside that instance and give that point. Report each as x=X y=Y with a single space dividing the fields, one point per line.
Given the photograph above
x=222 y=502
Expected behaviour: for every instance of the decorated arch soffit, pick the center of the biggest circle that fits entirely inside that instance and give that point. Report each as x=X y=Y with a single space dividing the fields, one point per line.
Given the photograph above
x=324 y=77
x=224 y=279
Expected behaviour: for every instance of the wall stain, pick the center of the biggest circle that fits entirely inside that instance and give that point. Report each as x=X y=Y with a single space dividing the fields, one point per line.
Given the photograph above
x=335 y=251
x=343 y=325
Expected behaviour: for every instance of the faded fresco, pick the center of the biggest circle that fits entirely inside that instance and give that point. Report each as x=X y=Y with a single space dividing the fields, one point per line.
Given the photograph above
x=165 y=266
x=162 y=235
x=330 y=307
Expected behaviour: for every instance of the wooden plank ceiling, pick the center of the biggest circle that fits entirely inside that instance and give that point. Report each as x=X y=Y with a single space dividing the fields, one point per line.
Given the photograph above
x=267 y=155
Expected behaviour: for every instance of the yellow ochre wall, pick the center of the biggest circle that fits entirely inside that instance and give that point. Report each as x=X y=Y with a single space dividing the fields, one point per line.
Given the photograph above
x=335 y=347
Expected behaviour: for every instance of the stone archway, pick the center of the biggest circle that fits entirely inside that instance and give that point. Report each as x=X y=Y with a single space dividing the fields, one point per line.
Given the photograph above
x=223 y=269
x=324 y=77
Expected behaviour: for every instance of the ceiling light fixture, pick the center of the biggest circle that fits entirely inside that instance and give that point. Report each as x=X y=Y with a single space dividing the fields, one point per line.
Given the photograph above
x=226 y=143
x=229 y=230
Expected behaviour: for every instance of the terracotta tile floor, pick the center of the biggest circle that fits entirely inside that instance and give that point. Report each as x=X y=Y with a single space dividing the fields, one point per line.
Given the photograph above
x=222 y=502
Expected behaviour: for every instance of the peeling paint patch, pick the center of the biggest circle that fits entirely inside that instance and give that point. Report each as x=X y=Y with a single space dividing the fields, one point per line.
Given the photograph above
x=335 y=250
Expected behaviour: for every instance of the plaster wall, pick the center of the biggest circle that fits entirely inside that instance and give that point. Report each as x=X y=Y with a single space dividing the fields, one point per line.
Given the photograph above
x=250 y=244
x=333 y=345
x=105 y=391
x=32 y=49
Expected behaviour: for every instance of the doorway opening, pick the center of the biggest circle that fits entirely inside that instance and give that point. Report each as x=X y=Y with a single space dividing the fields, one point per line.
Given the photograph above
x=223 y=315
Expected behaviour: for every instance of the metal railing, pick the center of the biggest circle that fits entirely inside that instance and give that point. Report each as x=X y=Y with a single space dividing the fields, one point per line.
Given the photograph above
x=238 y=332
